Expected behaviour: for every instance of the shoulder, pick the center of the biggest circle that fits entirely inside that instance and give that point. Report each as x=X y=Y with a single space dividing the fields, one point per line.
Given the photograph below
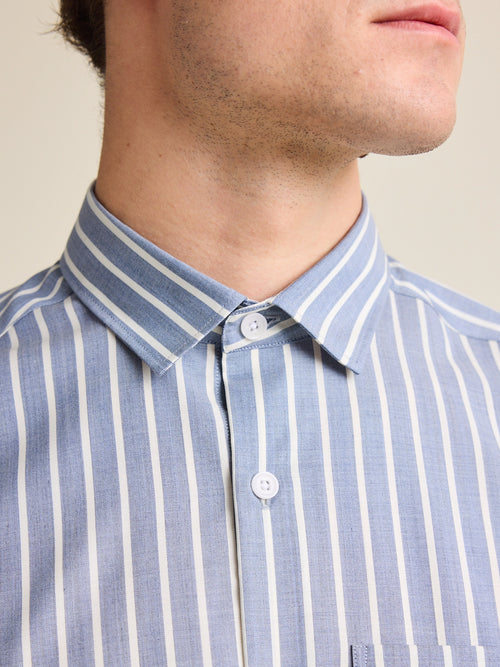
x=458 y=312
x=40 y=291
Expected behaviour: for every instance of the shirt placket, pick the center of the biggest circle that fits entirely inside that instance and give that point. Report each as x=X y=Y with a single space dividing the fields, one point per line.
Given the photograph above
x=255 y=387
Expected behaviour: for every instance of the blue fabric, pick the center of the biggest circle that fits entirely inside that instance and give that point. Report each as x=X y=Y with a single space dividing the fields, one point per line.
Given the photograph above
x=134 y=414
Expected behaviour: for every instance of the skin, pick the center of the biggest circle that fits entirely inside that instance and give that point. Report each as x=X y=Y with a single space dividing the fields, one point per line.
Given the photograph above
x=232 y=129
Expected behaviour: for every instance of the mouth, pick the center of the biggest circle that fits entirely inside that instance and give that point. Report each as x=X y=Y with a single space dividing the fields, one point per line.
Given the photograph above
x=431 y=17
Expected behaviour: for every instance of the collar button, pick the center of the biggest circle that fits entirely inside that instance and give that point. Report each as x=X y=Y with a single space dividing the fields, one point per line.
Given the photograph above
x=253 y=326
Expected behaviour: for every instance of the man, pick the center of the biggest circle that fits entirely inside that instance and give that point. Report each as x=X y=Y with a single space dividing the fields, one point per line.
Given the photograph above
x=233 y=432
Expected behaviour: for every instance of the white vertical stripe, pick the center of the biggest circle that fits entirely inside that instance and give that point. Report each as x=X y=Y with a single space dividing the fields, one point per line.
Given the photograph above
x=235 y=501
x=379 y=655
x=56 y=490
x=168 y=629
x=422 y=479
x=393 y=495
x=124 y=500
x=22 y=500
x=228 y=497
x=266 y=514
x=365 y=517
x=260 y=409
x=195 y=517
x=450 y=474
x=271 y=583
x=332 y=509
x=89 y=482
x=299 y=511
x=481 y=475
x=486 y=388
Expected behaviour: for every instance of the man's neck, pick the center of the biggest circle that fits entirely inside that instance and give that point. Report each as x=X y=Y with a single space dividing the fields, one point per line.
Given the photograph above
x=252 y=223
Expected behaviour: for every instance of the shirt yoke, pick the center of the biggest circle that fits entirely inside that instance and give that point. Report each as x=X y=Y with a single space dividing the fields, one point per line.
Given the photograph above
x=458 y=312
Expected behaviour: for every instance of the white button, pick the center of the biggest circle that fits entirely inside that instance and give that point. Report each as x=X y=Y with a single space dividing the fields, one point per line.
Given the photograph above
x=265 y=485
x=253 y=326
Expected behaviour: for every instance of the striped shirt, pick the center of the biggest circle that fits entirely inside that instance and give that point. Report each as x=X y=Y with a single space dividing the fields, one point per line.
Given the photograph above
x=191 y=478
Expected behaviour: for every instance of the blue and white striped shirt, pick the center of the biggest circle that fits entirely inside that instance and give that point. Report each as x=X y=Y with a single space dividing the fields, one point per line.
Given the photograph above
x=190 y=478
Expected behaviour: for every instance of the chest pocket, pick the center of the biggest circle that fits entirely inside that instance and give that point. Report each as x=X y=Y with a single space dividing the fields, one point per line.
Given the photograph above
x=400 y=655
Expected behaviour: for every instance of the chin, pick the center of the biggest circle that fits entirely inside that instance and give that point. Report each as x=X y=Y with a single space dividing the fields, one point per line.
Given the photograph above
x=413 y=145
x=421 y=134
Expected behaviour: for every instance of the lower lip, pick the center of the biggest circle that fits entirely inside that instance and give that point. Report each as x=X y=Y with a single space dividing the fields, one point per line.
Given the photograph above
x=419 y=27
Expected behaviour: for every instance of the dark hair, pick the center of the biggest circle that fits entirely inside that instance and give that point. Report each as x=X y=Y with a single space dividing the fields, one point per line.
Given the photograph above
x=81 y=22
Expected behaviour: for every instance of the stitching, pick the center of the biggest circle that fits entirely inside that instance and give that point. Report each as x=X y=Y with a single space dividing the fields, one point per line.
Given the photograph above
x=437 y=312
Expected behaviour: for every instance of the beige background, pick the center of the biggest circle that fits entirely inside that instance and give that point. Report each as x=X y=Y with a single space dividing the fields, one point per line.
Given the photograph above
x=437 y=213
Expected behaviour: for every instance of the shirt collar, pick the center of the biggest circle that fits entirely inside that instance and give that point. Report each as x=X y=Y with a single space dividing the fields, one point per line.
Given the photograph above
x=161 y=307
x=340 y=300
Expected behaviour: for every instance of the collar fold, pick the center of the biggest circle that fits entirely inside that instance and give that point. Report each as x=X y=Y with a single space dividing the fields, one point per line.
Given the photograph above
x=339 y=301
x=161 y=307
